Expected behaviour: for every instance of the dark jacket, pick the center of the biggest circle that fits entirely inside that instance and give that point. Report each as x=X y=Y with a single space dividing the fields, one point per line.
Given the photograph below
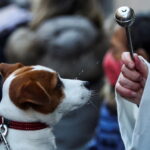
x=71 y=45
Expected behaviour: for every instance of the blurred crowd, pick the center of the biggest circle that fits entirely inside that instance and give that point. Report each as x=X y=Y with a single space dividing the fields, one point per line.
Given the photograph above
x=80 y=40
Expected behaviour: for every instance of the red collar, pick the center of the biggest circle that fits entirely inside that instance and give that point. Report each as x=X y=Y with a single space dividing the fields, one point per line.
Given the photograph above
x=23 y=125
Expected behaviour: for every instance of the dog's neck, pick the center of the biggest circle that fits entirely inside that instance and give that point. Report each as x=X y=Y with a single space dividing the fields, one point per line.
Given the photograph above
x=41 y=139
x=30 y=140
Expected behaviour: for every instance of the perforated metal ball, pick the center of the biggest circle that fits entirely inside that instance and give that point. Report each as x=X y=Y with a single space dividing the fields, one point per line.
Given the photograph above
x=125 y=16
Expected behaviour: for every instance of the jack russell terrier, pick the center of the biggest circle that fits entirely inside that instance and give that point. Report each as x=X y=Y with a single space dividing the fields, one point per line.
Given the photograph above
x=34 y=98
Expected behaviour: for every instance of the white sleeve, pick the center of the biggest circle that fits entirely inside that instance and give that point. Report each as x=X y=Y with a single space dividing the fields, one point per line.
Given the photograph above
x=134 y=122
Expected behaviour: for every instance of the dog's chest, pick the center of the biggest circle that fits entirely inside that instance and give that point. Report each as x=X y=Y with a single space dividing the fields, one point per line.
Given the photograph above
x=30 y=140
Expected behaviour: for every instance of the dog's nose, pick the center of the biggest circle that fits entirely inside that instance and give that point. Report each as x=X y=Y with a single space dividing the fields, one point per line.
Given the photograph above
x=87 y=84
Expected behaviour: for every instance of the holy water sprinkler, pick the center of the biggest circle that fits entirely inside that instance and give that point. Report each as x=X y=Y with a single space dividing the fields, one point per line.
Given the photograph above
x=125 y=17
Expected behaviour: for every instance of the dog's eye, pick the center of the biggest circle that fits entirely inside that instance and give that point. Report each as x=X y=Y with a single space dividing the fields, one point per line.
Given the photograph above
x=59 y=83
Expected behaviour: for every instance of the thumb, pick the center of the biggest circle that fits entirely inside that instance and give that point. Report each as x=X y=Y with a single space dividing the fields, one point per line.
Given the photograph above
x=141 y=66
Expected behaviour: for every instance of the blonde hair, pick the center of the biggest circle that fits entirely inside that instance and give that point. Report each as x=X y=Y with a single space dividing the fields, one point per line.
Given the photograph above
x=45 y=9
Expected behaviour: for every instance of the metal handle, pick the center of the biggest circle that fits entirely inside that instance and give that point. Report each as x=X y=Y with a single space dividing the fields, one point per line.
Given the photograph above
x=130 y=45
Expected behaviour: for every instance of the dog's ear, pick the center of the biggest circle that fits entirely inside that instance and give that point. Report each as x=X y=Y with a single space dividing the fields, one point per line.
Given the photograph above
x=32 y=94
x=7 y=69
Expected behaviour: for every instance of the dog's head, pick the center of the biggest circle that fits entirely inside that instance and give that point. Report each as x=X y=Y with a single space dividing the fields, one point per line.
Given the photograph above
x=41 y=89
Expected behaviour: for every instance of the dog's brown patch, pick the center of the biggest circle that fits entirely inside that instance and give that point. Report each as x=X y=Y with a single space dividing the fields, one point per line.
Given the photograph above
x=36 y=89
x=7 y=69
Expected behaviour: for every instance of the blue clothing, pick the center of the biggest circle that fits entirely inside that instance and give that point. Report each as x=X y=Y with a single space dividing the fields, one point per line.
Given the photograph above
x=107 y=135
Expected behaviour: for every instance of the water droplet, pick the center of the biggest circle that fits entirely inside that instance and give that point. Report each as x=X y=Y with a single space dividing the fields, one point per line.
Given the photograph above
x=97 y=62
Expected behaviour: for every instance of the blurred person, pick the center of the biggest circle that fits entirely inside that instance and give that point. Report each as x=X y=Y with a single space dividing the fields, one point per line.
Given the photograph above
x=63 y=35
x=12 y=17
x=107 y=135
x=67 y=36
x=9 y=23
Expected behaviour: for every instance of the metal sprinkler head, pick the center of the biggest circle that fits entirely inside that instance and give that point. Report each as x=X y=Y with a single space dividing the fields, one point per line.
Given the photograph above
x=125 y=16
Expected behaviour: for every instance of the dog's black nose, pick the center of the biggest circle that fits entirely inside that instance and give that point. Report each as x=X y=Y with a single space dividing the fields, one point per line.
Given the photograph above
x=87 y=84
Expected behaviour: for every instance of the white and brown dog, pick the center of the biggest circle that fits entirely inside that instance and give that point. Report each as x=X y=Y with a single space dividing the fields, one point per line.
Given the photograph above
x=34 y=98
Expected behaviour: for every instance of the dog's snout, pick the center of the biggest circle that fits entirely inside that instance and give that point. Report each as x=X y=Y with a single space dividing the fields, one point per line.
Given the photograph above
x=87 y=84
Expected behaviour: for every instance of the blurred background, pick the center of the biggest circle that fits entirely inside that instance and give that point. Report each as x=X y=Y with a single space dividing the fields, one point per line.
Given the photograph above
x=136 y=4
x=80 y=40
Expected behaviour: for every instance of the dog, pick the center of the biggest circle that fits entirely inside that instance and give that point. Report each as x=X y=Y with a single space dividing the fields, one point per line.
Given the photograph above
x=34 y=99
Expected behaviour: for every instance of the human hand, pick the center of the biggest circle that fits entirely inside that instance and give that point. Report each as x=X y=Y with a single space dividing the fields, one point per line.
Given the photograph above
x=131 y=82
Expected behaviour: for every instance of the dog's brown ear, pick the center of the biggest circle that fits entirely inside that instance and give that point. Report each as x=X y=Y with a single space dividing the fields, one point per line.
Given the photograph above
x=32 y=95
x=7 y=69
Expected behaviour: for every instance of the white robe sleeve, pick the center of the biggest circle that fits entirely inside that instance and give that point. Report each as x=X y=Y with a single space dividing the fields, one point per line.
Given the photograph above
x=134 y=122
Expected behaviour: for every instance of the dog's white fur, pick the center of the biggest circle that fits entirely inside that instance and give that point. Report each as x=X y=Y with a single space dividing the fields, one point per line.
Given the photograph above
x=76 y=95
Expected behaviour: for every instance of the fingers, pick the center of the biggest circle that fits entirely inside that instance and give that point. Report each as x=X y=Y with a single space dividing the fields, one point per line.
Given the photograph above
x=126 y=59
x=131 y=74
x=125 y=92
x=129 y=94
x=137 y=64
x=129 y=84
x=141 y=66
